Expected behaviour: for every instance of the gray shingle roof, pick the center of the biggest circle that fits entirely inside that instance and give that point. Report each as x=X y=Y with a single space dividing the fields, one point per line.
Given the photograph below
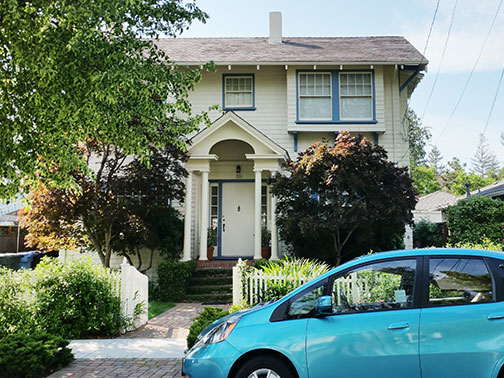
x=436 y=201
x=493 y=190
x=292 y=50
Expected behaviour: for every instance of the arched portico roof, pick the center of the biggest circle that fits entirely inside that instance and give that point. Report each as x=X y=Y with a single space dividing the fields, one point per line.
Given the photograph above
x=232 y=127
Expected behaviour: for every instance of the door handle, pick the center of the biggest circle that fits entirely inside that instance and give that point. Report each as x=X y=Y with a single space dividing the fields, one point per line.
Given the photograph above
x=496 y=315
x=398 y=325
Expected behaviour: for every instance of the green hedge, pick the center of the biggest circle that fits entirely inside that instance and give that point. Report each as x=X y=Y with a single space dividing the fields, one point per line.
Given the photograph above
x=204 y=319
x=32 y=356
x=173 y=280
x=74 y=300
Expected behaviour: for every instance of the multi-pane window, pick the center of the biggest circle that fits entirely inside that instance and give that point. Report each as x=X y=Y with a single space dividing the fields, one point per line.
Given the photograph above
x=238 y=91
x=214 y=206
x=315 y=96
x=356 y=96
x=458 y=281
x=264 y=205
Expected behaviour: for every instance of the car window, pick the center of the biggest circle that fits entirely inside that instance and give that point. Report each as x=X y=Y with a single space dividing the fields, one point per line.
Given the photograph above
x=305 y=305
x=458 y=281
x=378 y=286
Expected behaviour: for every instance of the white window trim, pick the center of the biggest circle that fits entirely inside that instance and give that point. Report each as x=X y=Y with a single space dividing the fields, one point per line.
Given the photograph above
x=311 y=96
x=371 y=118
x=251 y=104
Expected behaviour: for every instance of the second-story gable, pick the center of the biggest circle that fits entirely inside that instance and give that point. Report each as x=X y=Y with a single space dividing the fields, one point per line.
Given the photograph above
x=306 y=89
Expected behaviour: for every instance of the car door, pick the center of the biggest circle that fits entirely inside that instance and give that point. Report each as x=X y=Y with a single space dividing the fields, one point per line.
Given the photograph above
x=373 y=331
x=462 y=324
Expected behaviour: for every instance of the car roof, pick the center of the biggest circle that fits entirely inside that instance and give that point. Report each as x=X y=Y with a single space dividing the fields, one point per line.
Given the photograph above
x=418 y=252
x=429 y=252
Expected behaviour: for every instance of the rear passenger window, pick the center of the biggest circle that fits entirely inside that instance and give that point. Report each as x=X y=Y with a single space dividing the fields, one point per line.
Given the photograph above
x=455 y=281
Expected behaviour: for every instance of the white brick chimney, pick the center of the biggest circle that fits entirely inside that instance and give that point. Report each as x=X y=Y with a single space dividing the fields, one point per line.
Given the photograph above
x=275 y=27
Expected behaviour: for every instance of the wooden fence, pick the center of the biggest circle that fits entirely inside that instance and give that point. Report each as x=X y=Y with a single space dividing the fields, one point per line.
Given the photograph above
x=133 y=288
x=249 y=287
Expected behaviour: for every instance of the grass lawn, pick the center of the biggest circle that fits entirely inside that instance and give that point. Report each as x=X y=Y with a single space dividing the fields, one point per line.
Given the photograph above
x=158 y=307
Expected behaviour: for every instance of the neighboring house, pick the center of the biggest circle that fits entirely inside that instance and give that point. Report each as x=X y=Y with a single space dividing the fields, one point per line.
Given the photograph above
x=11 y=237
x=280 y=95
x=432 y=207
x=495 y=191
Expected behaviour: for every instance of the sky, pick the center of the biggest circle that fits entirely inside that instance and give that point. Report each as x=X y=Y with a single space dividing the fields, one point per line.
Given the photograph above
x=455 y=135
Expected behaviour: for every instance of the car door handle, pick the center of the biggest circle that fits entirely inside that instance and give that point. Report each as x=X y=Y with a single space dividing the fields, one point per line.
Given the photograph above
x=496 y=315
x=398 y=325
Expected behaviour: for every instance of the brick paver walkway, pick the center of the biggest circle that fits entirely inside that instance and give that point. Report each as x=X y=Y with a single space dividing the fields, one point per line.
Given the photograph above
x=122 y=368
x=173 y=323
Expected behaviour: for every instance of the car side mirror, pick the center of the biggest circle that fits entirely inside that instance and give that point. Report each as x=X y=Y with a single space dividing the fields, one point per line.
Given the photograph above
x=324 y=305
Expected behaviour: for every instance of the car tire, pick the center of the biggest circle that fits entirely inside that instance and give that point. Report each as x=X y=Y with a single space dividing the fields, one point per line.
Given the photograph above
x=262 y=365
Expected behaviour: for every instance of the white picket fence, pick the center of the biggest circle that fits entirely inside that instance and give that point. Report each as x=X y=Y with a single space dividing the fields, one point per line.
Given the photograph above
x=248 y=288
x=133 y=288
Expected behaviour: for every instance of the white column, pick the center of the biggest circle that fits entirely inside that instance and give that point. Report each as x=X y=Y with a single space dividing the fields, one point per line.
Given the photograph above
x=204 y=216
x=257 y=214
x=274 y=232
x=188 y=219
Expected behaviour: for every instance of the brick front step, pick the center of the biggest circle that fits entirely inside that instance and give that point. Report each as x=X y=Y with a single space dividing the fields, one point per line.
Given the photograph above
x=220 y=263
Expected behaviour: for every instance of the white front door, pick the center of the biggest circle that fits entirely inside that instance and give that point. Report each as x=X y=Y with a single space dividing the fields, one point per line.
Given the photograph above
x=237 y=219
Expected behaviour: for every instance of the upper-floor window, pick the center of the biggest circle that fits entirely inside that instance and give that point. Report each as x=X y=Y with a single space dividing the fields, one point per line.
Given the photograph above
x=356 y=96
x=335 y=97
x=315 y=96
x=238 y=92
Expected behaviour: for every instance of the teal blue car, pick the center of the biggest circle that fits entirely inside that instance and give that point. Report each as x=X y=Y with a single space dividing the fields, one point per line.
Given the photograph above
x=436 y=313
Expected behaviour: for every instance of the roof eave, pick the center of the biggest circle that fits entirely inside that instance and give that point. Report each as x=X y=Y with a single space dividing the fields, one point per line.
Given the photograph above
x=301 y=63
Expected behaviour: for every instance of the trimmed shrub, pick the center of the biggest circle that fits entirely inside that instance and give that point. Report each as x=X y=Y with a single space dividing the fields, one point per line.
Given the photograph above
x=32 y=356
x=15 y=310
x=74 y=300
x=77 y=299
x=173 y=279
x=427 y=234
x=474 y=217
x=204 y=319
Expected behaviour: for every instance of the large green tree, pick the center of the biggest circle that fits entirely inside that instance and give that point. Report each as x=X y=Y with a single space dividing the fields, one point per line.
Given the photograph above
x=484 y=161
x=78 y=70
x=340 y=201
x=418 y=136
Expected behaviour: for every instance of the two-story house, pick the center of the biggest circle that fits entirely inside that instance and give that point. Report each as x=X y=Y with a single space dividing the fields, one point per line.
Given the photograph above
x=280 y=95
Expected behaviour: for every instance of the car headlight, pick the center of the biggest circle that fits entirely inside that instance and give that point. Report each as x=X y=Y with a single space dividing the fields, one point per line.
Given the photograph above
x=218 y=333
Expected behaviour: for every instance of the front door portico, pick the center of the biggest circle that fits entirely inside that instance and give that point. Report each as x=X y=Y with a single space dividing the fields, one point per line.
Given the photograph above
x=228 y=163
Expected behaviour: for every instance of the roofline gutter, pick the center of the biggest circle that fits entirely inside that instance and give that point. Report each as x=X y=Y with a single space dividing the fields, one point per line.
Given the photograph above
x=422 y=64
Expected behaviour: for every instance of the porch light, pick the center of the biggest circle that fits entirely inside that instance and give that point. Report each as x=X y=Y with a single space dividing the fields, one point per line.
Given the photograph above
x=238 y=169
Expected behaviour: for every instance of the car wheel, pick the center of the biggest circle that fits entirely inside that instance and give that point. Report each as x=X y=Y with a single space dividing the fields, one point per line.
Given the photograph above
x=264 y=367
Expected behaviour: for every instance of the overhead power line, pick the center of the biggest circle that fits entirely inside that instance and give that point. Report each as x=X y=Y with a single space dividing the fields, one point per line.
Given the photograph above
x=472 y=71
x=494 y=100
x=442 y=59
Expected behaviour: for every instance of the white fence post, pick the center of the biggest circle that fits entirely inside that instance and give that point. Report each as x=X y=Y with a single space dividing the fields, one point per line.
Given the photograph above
x=237 y=284
x=134 y=295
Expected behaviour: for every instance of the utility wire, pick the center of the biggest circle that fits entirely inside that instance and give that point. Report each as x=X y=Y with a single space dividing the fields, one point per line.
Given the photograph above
x=493 y=103
x=422 y=60
x=472 y=71
x=425 y=48
x=441 y=62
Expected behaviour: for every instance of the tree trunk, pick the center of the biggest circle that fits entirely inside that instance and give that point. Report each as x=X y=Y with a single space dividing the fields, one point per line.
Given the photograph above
x=150 y=262
x=108 y=247
x=139 y=258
